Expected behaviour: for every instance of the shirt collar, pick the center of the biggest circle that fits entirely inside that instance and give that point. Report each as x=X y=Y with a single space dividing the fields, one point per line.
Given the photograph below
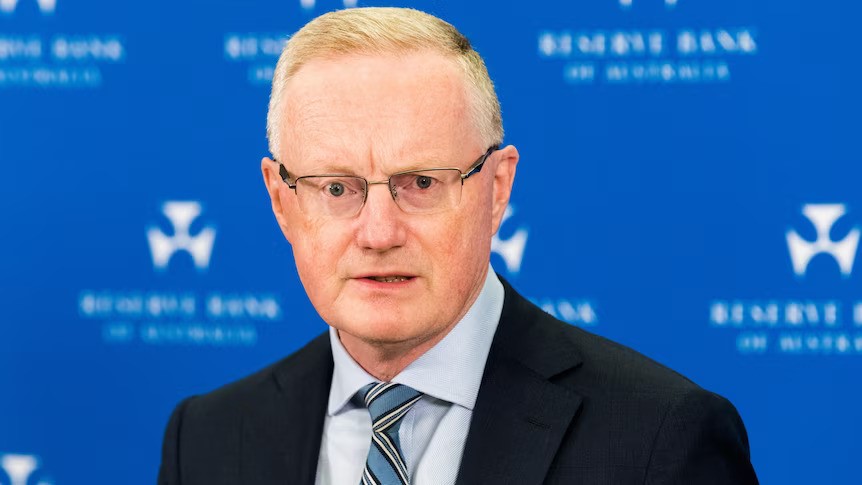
x=451 y=370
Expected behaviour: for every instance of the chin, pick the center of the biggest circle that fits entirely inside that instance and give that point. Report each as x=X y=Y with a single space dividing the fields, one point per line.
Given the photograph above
x=378 y=332
x=386 y=333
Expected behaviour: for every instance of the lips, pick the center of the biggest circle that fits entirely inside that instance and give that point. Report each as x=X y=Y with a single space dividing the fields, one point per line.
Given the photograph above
x=390 y=275
x=389 y=279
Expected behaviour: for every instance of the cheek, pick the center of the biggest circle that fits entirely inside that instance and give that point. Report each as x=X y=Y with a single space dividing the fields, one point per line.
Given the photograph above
x=465 y=245
x=477 y=222
x=319 y=250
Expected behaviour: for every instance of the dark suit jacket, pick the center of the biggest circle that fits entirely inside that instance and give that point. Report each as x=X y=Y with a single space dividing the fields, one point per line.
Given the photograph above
x=557 y=405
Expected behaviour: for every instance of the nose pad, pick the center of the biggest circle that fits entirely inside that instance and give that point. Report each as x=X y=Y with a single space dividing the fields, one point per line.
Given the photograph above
x=393 y=192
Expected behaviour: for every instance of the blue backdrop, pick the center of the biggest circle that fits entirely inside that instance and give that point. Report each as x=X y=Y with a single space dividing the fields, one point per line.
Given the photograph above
x=688 y=187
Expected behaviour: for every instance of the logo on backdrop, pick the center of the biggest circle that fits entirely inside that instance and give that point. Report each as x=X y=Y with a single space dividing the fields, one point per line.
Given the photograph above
x=310 y=4
x=511 y=249
x=667 y=3
x=648 y=53
x=47 y=7
x=258 y=52
x=196 y=316
x=823 y=216
x=163 y=246
x=23 y=469
x=38 y=60
x=804 y=324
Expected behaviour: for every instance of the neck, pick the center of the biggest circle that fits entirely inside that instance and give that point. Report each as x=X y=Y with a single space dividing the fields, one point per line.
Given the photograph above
x=385 y=360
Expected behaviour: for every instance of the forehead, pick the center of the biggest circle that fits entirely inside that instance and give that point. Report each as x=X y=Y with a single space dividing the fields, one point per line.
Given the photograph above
x=378 y=107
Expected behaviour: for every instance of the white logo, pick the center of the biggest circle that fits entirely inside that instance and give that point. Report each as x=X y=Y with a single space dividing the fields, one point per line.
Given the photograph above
x=163 y=247
x=512 y=249
x=19 y=469
x=45 y=6
x=823 y=216
x=309 y=4
x=667 y=3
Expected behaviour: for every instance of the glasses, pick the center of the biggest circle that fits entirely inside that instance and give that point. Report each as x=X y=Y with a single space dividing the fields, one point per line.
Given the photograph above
x=422 y=191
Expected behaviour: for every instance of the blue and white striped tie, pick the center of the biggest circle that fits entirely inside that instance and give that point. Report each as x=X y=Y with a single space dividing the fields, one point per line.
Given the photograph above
x=387 y=403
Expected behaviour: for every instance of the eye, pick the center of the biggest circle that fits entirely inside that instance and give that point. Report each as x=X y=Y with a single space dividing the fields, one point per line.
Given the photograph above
x=336 y=189
x=423 y=181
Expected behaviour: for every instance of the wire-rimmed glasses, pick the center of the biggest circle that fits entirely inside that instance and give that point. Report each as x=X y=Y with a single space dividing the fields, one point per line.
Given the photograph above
x=420 y=191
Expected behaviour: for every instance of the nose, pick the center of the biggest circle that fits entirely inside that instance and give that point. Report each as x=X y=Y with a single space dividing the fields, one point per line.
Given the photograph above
x=381 y=224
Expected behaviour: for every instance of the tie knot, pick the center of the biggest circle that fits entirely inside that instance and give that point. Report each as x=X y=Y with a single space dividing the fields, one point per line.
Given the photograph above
x=387 y=402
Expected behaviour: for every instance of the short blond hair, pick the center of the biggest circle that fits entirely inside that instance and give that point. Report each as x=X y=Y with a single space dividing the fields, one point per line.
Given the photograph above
x=384 y=30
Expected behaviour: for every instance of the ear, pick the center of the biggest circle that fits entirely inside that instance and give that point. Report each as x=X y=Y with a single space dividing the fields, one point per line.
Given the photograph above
x=504 y=177
x=276 y=188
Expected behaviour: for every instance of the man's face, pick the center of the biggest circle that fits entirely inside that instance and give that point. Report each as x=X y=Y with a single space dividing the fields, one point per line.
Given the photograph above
x=386 y=277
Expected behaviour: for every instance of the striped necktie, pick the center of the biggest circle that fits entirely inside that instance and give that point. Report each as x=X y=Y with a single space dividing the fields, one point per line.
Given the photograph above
x=387 y=403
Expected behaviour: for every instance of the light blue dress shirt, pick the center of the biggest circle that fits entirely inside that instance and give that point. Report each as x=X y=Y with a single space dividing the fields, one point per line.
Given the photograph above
x=433 y=433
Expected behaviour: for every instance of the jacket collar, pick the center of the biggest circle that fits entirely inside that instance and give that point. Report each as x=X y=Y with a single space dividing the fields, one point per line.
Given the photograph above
x=282 y=431
x=518 y=421
x=521 y=415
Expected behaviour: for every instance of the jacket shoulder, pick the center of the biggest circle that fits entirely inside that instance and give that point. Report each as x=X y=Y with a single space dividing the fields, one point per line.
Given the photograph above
x=205 y=434
x=636 y=415
x=620 y=368
x=599 y=362
x=312 y=357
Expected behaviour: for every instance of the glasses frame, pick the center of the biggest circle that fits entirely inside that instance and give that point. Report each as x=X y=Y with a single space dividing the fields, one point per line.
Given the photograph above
x=474 y=168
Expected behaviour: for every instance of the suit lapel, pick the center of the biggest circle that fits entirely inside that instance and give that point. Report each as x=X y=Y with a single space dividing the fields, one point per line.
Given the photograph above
x=520 y=415
x=517 y=426
x=281 y=433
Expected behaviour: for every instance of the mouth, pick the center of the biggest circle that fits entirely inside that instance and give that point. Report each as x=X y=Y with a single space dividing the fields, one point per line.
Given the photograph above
x=389 y=278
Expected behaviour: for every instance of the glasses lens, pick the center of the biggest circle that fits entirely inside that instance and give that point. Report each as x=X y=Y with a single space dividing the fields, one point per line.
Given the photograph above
x=331 y=196
x=427 y=190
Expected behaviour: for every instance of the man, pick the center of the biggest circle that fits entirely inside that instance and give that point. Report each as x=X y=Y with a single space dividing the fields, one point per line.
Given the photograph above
x=388 y=181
